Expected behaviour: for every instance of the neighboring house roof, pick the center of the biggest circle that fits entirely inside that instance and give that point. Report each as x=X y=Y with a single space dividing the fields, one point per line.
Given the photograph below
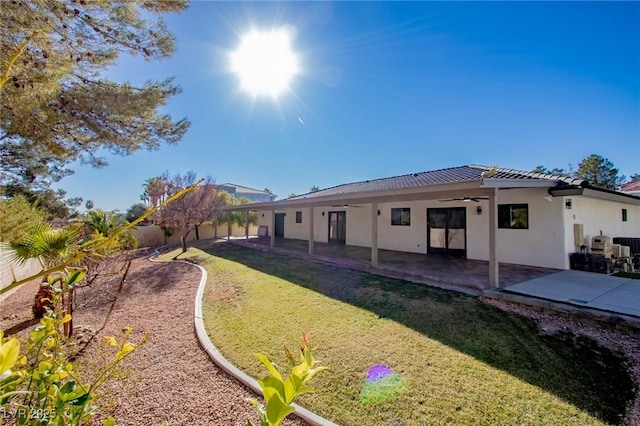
x=471 y=172
x=633 y=186
x=245 y=189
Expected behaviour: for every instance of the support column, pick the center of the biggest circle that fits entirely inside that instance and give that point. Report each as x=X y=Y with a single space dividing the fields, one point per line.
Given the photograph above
x=374 y=234
x=246 y=226
x=228 y=226
x=310 y=230
x=494 y=278
x=273 y=228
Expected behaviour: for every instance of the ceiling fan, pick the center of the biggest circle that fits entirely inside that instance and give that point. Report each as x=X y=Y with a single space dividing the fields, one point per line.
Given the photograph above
x=346 y=206
x=465 y=199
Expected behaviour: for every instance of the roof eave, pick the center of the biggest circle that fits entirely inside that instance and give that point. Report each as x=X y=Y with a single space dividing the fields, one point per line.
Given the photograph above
x=469 y=187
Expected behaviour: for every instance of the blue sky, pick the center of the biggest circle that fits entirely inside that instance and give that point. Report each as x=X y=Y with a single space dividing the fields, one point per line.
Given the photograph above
x=389 y=88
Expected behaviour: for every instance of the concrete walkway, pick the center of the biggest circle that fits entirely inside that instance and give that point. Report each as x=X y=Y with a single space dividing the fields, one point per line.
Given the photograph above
x=585 y=289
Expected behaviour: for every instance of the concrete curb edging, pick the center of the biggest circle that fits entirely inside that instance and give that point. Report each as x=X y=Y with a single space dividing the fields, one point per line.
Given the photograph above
x=208 y=346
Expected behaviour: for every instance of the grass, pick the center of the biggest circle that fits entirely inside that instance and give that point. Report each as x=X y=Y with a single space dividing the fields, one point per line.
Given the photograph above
x=631 y=275
x=457 y=360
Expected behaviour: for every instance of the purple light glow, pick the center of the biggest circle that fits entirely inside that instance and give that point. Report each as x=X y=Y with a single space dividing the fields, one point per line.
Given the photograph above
x=378 y=372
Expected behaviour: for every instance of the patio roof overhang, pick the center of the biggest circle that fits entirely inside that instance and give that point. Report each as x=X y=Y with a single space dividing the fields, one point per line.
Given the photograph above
x=469 y=188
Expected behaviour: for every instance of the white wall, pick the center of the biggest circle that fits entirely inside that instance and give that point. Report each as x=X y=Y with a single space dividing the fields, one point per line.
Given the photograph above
x=543 y=244
x=547 y=242
x=599 y=215
x=11 y=270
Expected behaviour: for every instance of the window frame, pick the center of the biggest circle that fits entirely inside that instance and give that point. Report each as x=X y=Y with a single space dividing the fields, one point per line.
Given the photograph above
x=401 y=216
x=510 y=216
x=299 y=217
x=625 y=215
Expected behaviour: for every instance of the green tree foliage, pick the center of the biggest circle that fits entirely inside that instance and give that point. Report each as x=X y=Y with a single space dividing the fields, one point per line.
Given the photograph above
x=17 y=216
x=555 y=171
x=595 y=168
x=239 y=218
x=47 y=244
x=135 y=211
x=56 y=103
x=599 y=172
x=634 y=177
x=154 y=191
x=51 y=202
x=314 y=188
x=101 y=224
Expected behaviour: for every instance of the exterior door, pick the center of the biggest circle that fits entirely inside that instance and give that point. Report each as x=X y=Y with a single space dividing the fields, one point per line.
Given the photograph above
x=279 y=231
x=338 y=227
x=447 y=231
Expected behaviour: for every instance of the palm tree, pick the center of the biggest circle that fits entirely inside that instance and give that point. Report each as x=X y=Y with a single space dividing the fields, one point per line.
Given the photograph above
x=101 y=224
x=154 y=191
x=47 y=244
x=50 y=246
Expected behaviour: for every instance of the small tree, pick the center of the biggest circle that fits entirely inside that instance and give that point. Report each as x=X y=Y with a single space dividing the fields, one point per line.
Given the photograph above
x=192 y=209
x=599 y=172
x=314 y=188
x=135 y=211
x=555 y=171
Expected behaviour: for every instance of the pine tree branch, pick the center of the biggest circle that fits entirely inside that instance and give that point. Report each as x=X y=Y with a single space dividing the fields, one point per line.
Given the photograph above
x=14 y=58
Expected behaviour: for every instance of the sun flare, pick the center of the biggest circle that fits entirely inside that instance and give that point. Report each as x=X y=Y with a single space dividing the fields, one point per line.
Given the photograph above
x=265 y=62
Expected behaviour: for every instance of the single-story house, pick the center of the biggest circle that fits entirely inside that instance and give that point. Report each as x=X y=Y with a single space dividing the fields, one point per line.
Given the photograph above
x=483 y=213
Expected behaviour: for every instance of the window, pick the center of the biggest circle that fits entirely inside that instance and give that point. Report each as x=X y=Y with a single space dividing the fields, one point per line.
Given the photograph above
x=624 y=215
x=298 y=217
x=401 y=216
x=513 y=216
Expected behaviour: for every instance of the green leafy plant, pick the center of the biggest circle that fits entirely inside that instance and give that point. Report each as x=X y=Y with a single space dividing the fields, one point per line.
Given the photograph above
x=40 y=386
x=279 y=393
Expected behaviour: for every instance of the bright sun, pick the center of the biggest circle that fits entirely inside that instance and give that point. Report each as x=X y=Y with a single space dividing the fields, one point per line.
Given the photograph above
x=265 y=62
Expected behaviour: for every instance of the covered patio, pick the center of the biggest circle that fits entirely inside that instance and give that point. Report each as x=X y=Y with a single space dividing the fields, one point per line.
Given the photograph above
x=450 y=272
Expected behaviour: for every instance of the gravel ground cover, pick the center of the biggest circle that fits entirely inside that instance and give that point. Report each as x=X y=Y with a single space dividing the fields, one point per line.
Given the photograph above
x=171 y=379
x=612 y=339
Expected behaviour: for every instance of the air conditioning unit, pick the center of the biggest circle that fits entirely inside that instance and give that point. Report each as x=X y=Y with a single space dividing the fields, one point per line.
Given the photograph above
x=625 y=251
x=616 y=251
x=602 y=245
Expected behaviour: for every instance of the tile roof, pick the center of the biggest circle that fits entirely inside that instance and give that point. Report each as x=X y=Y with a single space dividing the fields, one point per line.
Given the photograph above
x=442 y=176
x=633 y=186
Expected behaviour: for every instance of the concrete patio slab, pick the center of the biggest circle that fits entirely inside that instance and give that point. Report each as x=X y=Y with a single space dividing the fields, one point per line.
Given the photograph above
x=623 y=299
x=586 y=289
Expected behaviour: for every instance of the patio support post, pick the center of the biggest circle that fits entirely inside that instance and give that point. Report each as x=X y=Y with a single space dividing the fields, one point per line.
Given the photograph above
x=494 y=279
x=273 y=228
x=311 y=230
x=228 y=226
x=374 y=234
x=246 y=226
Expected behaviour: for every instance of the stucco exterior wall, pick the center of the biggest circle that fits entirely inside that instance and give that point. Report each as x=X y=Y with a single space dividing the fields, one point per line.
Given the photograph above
x=10 y=269
x=599 y=215
x=543 y=244
x=153 y=236
x=546 y=243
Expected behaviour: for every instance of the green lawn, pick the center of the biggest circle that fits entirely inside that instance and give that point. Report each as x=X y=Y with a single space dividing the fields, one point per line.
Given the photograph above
x=457 y=360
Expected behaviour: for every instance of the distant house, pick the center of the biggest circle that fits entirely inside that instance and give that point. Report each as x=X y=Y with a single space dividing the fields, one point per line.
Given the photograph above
x=253 y=195
x=478 y=212
x=631 y=188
